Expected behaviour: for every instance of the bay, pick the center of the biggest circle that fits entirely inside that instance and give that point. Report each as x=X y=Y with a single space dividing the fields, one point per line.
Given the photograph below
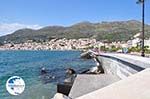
x=28 y=64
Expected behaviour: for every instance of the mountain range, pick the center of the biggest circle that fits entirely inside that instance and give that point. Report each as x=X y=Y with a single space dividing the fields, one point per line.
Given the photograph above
x=109 y=31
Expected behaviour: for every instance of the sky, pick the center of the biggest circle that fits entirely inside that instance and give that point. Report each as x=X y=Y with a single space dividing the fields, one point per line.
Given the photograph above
x=35 y=14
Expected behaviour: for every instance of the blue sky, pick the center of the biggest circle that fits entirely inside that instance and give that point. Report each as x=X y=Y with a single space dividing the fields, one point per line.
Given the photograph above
x=39 y=13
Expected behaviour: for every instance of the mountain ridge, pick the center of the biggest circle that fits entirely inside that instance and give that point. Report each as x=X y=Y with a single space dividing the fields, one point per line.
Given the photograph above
x=110 y=31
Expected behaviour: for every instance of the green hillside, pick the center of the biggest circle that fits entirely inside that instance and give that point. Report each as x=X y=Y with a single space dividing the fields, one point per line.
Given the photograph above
x=110 y=31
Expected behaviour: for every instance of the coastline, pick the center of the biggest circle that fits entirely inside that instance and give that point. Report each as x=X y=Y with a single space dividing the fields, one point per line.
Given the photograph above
x=54 y=44
x=27 y=64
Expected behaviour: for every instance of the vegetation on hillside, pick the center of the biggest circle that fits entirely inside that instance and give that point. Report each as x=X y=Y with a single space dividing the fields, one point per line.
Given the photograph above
x=110 y=31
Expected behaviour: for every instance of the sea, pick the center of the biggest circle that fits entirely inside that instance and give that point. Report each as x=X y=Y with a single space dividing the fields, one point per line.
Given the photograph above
x=28 y=65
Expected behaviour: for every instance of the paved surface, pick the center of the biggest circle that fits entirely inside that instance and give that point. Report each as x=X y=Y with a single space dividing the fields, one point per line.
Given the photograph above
x=137 y=60
x=134 y=87
x=87 y=83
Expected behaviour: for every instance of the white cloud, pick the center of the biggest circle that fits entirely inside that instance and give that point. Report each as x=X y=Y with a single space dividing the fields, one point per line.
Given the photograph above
x=7 y=28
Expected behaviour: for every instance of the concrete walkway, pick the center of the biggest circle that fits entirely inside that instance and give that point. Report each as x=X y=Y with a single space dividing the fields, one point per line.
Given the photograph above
x=136 y=86
x=86 y=83
x=137 y=60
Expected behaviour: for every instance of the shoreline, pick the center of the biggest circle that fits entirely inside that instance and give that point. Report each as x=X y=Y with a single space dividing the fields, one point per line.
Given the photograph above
x=37 y=50
x=54 y=44
x=32 y=62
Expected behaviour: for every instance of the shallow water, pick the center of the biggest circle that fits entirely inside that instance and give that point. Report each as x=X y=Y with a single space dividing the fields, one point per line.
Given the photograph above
x=27 y=64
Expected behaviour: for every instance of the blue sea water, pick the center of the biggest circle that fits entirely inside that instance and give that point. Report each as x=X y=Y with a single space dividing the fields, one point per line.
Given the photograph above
x=27 y=65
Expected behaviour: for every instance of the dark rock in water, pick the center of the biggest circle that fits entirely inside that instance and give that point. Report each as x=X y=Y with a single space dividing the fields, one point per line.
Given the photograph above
x=86 y=55
x=89 y=54
x=70 y=74
x=70 y=79
x=47 y=78
x=43 y=71
x=70 y=71
x=98 y=69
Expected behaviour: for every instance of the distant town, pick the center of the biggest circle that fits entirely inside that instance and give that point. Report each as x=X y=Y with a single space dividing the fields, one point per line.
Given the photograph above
x=133 y=45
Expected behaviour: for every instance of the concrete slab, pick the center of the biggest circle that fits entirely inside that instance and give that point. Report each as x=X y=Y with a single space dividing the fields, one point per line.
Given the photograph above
x=87 y=83
x=137 y=60
x=136 y=86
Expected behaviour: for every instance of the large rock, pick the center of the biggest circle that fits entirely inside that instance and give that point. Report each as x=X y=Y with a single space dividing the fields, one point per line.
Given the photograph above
x=60 y=96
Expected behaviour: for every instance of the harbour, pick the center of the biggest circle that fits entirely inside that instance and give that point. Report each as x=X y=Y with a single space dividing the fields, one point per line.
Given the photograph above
x=117 y=67
x=28 y=64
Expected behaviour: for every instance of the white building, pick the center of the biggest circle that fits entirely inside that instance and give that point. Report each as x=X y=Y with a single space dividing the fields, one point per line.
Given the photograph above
x=137 y=41
x=134 y=42
x=147 y=42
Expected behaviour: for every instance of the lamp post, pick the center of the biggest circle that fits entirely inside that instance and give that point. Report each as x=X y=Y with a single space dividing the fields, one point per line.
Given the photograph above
x=143 y=13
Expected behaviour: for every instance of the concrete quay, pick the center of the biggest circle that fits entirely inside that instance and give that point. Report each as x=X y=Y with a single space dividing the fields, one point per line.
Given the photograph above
x=123 y=65
x=143 y=62
x=120 y=66
x=136 y=86
x=126 y=77
x=85 y=83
